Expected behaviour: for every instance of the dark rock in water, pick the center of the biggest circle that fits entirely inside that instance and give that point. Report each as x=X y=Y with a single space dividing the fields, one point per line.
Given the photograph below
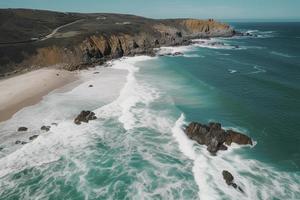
x=91 y=86
x=45 y=128
x=177 y=54
x=22 y=128
x=33 y=137
x=85 y=116
x=96 y=72
x=1 y=148
x=20 y=142
x=197 y=132
x=228 y=177
x=54 y=124
x=238 y=138
x=214 y=137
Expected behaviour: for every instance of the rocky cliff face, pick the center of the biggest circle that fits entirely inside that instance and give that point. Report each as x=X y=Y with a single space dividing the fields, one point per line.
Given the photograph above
x=95 y=38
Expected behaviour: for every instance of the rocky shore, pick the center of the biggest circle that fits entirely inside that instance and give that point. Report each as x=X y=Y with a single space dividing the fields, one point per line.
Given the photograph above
x=214 y=137
x=76 y=41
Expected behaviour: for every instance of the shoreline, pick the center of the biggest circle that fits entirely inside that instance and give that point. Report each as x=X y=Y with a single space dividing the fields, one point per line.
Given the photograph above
x=28 y=89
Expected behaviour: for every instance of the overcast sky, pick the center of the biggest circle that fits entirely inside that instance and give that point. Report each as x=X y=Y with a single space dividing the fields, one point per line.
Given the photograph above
x=219 y=9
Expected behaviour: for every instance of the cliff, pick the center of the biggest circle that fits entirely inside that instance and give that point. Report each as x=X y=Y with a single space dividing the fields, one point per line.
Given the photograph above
x=33 y=38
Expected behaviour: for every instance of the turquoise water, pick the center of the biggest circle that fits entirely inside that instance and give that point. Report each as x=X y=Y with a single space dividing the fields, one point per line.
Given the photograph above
x=136 y=148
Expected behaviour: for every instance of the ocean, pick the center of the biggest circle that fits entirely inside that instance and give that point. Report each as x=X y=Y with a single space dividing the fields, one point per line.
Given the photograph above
x=137 y=149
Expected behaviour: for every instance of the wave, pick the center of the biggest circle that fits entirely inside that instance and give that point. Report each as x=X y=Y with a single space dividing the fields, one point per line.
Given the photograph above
x=232 y=71
x=256 y=34
x=258 y=69
x=257 y=180
x=173 y=50
x=216 y=44
x=213 y=44
x=281 y=54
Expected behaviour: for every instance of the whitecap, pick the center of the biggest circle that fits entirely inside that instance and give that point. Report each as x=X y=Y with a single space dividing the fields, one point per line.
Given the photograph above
x=281 y=54
x=257 y=180
x=232 y=71
x=258 y=69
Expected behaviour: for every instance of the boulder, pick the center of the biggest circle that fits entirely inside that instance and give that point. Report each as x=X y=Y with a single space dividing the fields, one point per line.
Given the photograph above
x=20 y=142
x=214 y=137
x=91 y=86
x=22 y=128
x=228 y=177
x=33 y=137
x=85 y=116
x=238 y=138
x=45 y=128
x=1 y=148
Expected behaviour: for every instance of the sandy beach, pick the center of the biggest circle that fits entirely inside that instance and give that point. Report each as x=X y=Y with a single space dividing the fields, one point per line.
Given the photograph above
x=28 y=89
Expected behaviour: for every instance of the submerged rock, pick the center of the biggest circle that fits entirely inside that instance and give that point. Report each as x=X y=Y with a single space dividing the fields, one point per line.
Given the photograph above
x=22 y=128
x=85 y=116
x=33 y=137
x=45 y=128
x=214 y=137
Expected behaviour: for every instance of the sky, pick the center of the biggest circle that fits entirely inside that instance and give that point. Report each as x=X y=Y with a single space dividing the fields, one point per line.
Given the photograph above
x=273 y=10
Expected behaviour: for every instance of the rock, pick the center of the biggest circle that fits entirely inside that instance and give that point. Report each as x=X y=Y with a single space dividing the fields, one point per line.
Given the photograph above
x=33 y=137
x=96 y=72
x=85 y=116
x=214 y=137
x=22 y=128
x=228 y=177
x=20 y=142
x=177 y=54
x=197 y=132
x=238 y=138
x=45 y=128
x=54 y=124
x=90 y=85
x=1 y=148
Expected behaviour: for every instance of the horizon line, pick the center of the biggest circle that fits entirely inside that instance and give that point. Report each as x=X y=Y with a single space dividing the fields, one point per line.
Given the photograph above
x=128 y=13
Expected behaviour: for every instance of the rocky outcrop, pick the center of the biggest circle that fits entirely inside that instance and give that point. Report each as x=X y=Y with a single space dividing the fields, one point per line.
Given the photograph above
x=99 y=37
x=45 y=128
x=214 y=137
x=228 y=177
x=238 y=138
x=84 y=116
x=33 y=137
x=22 y=128
x=20 y=142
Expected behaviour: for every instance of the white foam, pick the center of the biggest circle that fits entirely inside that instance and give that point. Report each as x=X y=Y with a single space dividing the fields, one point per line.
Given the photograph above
x=281 y=54
x=214 y=44
x=258 y=69
x=59 y=107
x=172 y=50
x=232 y=71
x=257 y=180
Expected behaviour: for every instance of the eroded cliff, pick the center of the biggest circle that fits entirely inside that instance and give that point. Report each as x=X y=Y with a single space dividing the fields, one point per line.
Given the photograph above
x=94 y=38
